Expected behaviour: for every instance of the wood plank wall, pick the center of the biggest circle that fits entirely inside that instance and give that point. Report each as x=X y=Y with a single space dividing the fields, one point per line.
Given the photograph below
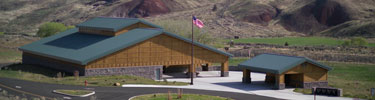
x=160 y=50
x=311 y=72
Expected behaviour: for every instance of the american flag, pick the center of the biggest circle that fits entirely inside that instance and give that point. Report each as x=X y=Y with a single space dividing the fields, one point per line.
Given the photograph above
x=197 y=22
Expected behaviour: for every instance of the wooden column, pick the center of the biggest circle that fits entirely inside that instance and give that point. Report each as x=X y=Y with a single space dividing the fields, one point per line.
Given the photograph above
x=225 y=69
x=270 y=78
x=279 y=81
x=246 y=78
x=192 y=69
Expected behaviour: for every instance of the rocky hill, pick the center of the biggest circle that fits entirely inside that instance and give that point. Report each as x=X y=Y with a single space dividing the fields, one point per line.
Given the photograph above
x=223 y=18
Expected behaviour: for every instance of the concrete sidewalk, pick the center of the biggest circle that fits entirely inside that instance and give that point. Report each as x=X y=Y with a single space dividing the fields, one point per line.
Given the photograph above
x=211 y=81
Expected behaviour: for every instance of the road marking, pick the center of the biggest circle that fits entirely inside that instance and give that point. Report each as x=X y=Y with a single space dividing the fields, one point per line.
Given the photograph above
x=67 y=98
x=24 y=92
x=18 y=87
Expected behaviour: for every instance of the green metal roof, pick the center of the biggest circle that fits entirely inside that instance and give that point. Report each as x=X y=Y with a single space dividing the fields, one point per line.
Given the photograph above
x=113 y=24
x=80 y=48
x=277 y=64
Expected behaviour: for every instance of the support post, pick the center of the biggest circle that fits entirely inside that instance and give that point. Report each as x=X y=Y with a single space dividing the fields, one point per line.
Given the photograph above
x=191 y=72
x=246 y=78
x=270 y=78
x=279 y=82
x=225 y=69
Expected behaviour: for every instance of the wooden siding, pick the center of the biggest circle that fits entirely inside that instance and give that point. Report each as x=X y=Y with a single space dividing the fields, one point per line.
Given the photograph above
x=310 y=72
x=137 y=25
x=112 y=33
x=160 y=50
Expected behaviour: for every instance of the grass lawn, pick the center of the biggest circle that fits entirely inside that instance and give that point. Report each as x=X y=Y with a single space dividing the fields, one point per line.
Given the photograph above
x=296 y=41
x=304 y=91
x=356 y=80
x=74 y=92
x=38 y=74
x=174 y=97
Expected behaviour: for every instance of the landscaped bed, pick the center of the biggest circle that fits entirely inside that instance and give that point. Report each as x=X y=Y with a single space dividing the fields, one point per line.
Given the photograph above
x=164 y=96
x=45 y=75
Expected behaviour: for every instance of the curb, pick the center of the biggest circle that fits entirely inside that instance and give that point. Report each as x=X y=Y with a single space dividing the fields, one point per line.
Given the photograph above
x=132 y=97
x=92 y=93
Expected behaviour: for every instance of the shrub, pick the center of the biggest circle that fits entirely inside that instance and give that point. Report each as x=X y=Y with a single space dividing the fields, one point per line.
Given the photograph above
x=1 y=33
x=51 y=28
x=356 y=41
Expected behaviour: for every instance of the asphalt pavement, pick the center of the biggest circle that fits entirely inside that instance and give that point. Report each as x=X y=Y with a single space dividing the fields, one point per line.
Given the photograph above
x=35 y=89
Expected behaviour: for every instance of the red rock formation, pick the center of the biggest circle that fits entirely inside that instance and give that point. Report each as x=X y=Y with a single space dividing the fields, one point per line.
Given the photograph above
x=261 y=16
x=315 y=17
x=330 y=13
x=140 y=8
x=149 y=8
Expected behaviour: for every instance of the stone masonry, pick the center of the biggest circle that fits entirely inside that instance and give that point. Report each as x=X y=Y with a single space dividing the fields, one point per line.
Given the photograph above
x=143 y=71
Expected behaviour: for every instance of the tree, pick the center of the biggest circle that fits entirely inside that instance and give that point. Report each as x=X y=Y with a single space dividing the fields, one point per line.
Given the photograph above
x=51 y=28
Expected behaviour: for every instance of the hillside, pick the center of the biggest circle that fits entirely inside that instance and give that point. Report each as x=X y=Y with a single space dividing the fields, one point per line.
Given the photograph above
x=223 y=18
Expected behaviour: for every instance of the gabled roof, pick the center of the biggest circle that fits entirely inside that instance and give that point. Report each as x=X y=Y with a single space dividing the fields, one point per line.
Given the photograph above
x=277 y=64
x=113 y=24
x=75 y=47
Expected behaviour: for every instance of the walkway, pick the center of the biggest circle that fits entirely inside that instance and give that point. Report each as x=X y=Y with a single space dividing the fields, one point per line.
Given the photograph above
x=211 y=81
x=35 y=89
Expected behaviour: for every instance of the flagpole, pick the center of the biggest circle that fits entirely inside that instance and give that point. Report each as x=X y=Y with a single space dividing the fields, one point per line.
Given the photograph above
x=192 y=52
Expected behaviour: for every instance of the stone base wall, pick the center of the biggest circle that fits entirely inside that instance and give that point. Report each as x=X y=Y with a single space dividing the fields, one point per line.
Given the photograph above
x=279 y=86
x=309 y=85
x=143 y=71
x=44 y=62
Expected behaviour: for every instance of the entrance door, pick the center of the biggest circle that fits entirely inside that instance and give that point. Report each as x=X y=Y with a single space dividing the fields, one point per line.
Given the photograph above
x=293 y=80
x=157 y=74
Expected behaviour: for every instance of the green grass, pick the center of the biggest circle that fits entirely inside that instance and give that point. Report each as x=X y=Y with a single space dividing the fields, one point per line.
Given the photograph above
x=297 y=41
x=356 y=80
x=301 y=90
x=38 y=74
x=174 y=97
x=74 y=92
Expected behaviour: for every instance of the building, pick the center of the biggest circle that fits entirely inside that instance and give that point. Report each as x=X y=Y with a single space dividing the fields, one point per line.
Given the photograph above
x=289 y=71
x=120 y=46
